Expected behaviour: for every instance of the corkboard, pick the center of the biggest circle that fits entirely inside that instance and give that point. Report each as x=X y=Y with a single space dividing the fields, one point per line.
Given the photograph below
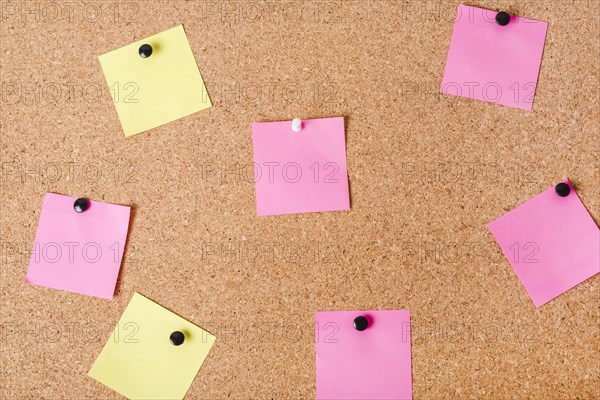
x=427 y=172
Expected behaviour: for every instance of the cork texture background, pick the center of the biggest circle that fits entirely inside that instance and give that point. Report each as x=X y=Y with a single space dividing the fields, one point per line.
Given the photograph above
x=427 y=173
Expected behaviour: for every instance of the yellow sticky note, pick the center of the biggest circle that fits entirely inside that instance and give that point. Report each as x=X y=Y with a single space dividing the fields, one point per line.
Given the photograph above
x=139 y=361
x=153 y=91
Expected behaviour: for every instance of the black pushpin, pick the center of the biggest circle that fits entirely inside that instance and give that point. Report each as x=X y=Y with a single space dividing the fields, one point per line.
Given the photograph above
x=145 y=51
x=562 y=189
x=81 y=205
x=360 y=323
x=177 y=338
x=502 y=18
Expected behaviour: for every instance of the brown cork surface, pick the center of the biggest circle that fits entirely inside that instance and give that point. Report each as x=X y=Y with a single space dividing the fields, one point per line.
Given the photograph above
x=427 y=173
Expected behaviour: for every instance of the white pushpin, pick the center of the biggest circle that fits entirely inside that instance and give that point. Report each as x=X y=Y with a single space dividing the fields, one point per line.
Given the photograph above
x=296 y=124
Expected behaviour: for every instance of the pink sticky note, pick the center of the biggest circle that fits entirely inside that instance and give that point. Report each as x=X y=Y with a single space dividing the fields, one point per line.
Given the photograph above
x=78 y=252
x=493 y=63
x=299 y=172
x=552 y=243
x=371 y=364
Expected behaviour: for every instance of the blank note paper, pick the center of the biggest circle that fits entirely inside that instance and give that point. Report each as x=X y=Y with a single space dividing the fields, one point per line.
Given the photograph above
x=371 y=364
x=139 y=361
x=78 y=252
x=551 y=242
x=149 y=92
x=299 y=172
x=493 y=63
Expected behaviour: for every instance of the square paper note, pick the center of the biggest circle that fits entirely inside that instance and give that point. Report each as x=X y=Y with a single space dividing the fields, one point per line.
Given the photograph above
x=149 y=92
x=371 y=364
x=299 y=172
x=78 y=252
x=493 y=63
x=139 y=361
x=551 y=242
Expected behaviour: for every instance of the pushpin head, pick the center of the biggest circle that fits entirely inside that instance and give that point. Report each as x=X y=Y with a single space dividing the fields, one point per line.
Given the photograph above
x=360 y=323
x=81 y=205
x=502 y=18
x=562 y=189
x=145 y=51
x=296 y=124
x=177 y=338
